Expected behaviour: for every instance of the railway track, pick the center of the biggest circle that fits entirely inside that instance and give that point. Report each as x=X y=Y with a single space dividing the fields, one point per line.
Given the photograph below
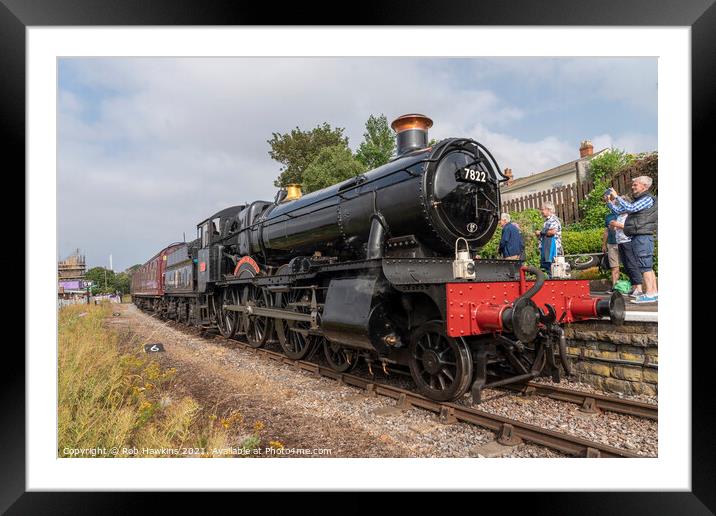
x=509 y=431
x=592 y=402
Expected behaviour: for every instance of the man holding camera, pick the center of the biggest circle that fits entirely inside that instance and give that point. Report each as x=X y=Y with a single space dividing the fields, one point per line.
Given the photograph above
x=641 y=225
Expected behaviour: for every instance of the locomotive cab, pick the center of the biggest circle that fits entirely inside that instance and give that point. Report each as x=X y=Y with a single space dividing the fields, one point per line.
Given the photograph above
x=214 y=235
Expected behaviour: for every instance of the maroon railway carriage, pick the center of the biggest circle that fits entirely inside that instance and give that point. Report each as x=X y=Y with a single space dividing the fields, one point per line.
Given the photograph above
x=147 y=287
x=382 y=269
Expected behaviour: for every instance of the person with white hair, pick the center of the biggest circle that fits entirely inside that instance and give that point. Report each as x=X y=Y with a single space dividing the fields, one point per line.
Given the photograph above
x=512 y=246
x=641 y=225
x=550 y=237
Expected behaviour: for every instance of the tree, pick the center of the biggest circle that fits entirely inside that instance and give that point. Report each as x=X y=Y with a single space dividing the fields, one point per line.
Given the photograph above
x=332 y=165
x=378 y=143
x=102 y=282
x=298 y=149
x=122 y=282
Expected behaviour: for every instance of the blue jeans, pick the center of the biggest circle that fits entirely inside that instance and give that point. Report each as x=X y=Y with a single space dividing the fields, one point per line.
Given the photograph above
x=631 y=263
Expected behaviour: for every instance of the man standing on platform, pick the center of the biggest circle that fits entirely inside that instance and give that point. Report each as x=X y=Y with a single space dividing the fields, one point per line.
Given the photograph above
x=550 y=238
x=641 y=225
x=512 y=246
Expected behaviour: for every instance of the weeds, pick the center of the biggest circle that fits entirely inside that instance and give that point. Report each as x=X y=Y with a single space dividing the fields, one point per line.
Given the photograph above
x=124 y=402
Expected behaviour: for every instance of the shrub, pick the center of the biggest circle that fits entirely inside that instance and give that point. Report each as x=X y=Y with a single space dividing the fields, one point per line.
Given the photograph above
x=581 y=242
x=645 y=164
x=601 y=170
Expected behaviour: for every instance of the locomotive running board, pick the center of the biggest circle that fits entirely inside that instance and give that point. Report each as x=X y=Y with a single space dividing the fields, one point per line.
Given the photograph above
x=410 y=271
x=273 y=313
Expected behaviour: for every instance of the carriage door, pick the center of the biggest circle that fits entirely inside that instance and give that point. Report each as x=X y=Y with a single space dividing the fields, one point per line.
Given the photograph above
x=202 y=267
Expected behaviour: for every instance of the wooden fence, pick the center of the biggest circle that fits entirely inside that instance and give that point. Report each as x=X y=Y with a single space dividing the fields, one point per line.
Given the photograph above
x=566 y=199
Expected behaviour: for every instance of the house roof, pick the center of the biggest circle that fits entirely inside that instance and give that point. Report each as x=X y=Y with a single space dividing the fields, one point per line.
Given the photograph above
x=557 y=171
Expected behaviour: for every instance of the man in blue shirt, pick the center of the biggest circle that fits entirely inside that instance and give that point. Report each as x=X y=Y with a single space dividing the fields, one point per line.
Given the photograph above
x=511 y=244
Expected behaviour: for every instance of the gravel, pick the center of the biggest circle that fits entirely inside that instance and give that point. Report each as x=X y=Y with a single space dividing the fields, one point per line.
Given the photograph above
x=304 y=410
x=638 y=435
x=579 y=386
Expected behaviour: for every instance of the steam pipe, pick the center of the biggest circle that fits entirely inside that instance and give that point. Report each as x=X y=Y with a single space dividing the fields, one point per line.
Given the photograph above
x=563 y=351
x=539 y=283
x=376 y=238
x=507 y=314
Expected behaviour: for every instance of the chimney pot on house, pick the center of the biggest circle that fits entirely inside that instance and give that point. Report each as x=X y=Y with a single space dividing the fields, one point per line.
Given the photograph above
x=586 y=149
x=508 y=173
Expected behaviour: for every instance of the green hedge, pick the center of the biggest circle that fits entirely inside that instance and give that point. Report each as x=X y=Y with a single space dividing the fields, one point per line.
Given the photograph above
x=579 y=242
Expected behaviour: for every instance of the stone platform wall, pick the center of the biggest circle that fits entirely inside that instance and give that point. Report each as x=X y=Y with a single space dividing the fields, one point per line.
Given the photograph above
x=616 y=359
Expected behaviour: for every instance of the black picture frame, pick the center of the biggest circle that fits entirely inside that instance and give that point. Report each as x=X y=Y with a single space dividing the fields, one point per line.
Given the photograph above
x=699 y=15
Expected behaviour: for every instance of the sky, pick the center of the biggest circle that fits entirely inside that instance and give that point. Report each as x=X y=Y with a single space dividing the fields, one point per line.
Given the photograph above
x=149 y=147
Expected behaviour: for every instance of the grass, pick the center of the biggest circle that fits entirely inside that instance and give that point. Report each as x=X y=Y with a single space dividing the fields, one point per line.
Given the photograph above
x=109 y=400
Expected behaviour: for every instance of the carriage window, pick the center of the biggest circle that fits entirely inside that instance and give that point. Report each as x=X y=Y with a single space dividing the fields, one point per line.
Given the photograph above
x=216 y=223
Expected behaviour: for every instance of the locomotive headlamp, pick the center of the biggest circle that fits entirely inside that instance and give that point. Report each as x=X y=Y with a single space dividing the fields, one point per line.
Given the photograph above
x=463 y=267
x=412 y=132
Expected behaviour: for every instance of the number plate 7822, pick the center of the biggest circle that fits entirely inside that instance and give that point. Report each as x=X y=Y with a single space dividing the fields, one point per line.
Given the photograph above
x=471 y=175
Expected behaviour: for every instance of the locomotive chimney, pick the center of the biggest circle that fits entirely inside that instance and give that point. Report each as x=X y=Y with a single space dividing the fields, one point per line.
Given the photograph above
x=412 y=132
x=586 y=149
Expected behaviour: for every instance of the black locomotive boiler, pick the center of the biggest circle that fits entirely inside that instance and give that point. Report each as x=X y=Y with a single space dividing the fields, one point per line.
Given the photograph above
x=382 y=268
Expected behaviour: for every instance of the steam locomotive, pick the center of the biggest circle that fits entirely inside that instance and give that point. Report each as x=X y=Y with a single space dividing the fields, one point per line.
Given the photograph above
x=380 y=268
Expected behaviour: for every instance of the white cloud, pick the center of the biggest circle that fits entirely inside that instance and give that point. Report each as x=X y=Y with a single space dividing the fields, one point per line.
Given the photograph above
x=629 y=80
x=152 y=146
x=526 y=157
